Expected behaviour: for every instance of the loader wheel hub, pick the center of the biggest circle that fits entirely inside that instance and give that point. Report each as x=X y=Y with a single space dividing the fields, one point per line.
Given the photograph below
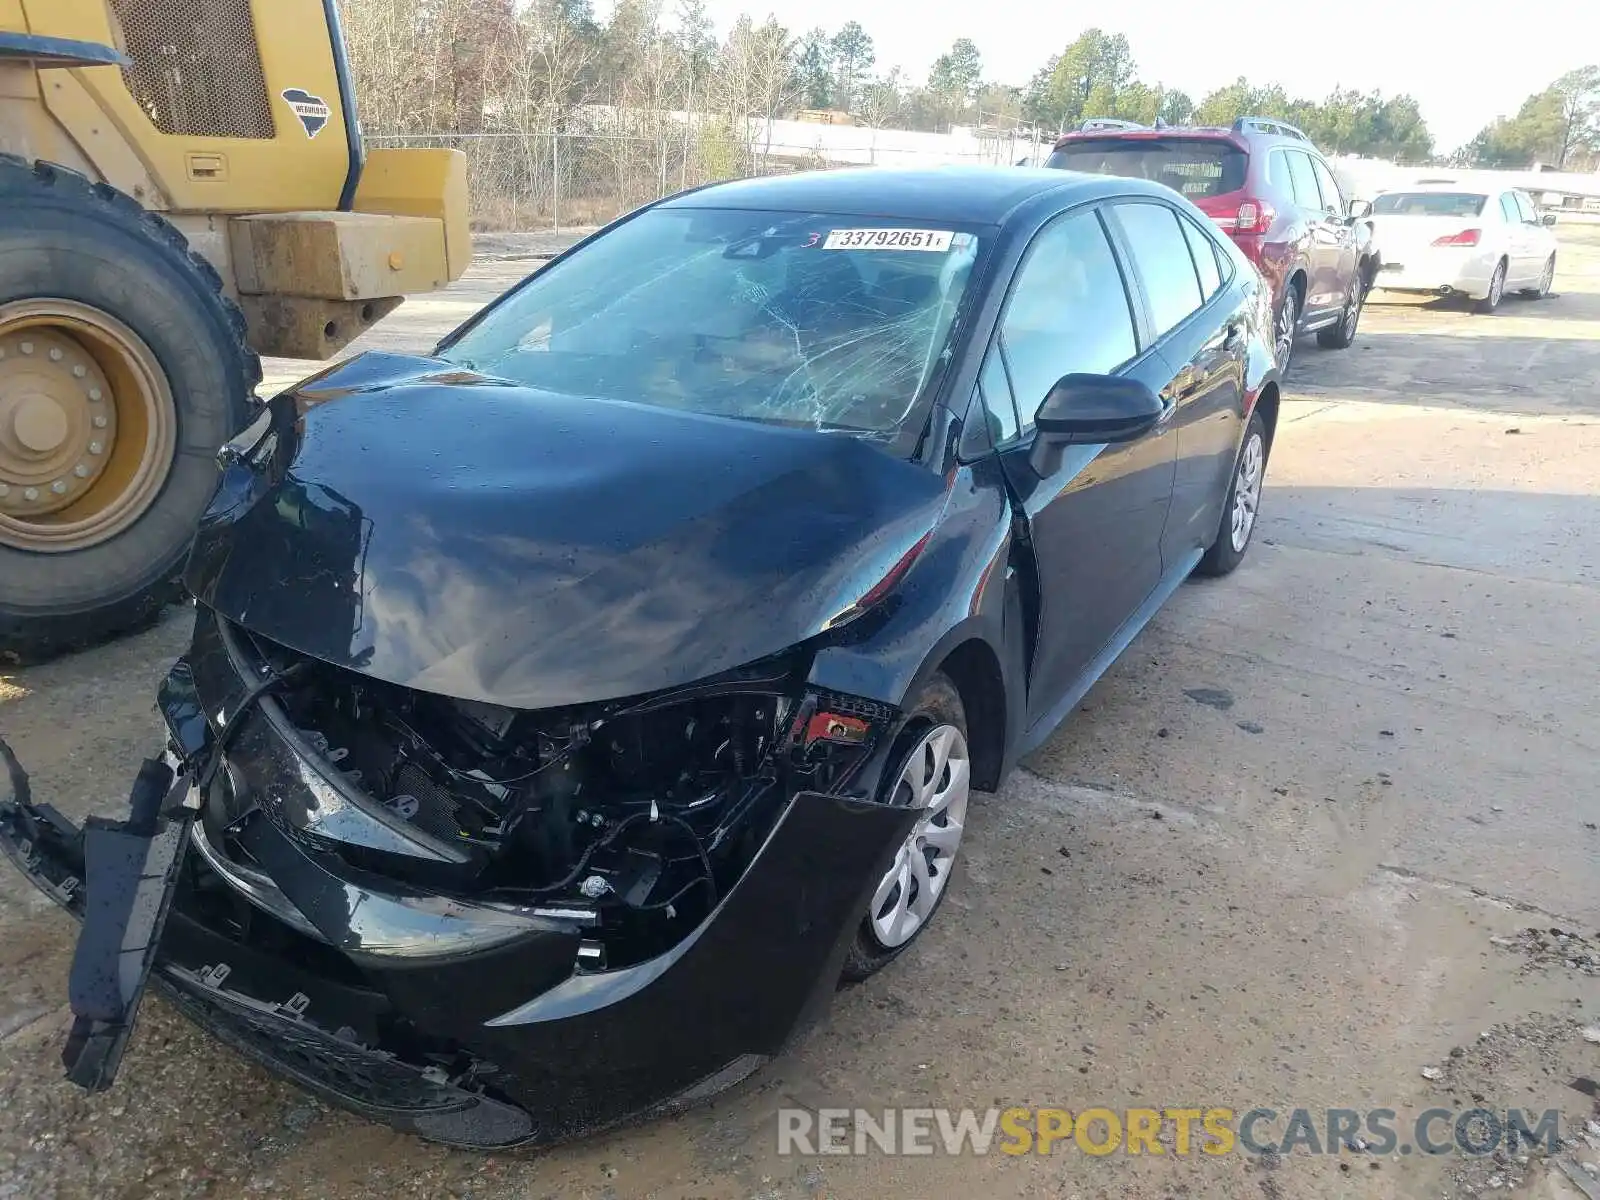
x=38 y=424
x=87 y=426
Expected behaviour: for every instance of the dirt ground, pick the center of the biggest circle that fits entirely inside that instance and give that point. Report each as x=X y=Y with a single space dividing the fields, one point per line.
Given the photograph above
x=1309 y=844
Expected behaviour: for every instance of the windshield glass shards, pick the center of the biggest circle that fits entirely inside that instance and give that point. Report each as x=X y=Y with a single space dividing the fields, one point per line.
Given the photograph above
x=803 y=319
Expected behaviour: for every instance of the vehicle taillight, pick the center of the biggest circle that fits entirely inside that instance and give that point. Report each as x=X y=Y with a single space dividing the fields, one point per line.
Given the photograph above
x=1252 y=216
x=1467 y=237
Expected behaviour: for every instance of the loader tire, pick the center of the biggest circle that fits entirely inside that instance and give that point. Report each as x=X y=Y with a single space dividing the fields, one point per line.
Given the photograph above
x=125 y=368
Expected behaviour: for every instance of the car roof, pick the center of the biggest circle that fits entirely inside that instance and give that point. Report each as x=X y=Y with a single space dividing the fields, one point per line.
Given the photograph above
x=1206 y=132
x=971 y=194
x=1244 y=139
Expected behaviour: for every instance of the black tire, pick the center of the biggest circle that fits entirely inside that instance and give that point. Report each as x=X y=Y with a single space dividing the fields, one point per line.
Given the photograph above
x=1546 y=280
x=937 y=702
x=89 y=243
x=1343 y=335
x=1497 y=290
x=1288 y=314
x=1223 y=556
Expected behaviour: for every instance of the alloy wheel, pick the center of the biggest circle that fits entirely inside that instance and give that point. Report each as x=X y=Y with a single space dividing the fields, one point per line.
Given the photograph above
x=1247 y=492
x=936 y=779
x=1352 y=314
x=1283 y=331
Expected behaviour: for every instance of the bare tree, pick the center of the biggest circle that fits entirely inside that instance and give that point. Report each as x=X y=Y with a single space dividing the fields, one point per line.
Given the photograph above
x=757 y=79
x=542 y=82
x=881 y=101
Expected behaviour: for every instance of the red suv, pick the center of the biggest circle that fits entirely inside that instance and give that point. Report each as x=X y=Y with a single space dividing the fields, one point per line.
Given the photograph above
x=1265 y=183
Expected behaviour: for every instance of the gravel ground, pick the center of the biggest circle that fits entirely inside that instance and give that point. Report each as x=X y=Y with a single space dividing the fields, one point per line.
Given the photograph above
x=1315 y=841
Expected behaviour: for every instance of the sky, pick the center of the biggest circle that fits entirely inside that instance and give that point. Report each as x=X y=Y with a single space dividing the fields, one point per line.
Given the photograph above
x=1465 y=62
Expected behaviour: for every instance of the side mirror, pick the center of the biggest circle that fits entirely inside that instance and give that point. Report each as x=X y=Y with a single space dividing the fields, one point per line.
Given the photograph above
x=1548 y=219
x=1092 y=410
x=1358 y=209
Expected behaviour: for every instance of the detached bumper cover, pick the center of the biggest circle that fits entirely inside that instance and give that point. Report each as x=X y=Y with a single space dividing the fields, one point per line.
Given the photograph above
x=477 y=1044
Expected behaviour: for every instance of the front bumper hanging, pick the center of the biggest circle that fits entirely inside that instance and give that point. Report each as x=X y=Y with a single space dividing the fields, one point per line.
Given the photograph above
x=134 y=864
x=478 y=1045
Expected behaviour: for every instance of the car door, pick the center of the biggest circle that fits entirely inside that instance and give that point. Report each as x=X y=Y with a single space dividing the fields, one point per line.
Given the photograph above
x=1541 y=239
x=1202 y=336
x=1095 y=517
x=1321 y=252
x=1515 y=240
x=1503 y=223
x=1538 y=242
x=1339 y=233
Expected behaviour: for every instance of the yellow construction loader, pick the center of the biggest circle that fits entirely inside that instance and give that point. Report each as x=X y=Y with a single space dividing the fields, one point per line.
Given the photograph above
x=183 y=187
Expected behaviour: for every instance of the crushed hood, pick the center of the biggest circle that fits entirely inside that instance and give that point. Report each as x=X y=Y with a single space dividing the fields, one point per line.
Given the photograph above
x=464 y=536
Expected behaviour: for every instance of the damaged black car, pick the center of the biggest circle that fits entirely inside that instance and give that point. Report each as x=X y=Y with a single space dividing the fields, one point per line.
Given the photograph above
x=568 y=711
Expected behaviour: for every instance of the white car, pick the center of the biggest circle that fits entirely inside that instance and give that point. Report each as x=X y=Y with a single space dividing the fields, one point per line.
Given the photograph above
x=1448 y=240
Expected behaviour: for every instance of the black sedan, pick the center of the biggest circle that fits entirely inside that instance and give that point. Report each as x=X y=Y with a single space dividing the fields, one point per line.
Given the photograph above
x=570 y=710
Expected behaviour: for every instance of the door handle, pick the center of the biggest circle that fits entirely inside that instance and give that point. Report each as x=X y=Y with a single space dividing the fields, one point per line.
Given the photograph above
x=1231 y=335
x=1183 y=386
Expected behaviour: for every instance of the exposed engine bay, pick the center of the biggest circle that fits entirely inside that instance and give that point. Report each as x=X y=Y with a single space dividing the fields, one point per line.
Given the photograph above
x=636 y=814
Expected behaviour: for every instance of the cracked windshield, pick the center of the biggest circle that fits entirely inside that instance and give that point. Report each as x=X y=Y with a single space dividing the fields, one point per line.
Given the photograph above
x=808 y=320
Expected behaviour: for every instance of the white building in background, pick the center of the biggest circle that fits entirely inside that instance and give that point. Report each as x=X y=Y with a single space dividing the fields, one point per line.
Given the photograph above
x=861 y=145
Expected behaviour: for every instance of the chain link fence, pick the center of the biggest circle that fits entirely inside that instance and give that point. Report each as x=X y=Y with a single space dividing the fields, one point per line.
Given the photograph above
x=529 y=182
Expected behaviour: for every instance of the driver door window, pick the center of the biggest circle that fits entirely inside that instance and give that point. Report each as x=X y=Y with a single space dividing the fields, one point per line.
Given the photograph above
x=1068 y=312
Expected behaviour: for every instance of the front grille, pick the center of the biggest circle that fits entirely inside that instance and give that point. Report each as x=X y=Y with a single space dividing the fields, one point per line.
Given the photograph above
x=302 y=1051
x=433 y=808
x=194 y=67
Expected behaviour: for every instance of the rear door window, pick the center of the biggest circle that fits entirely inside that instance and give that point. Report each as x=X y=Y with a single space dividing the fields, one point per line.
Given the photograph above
x=1525 y=207
x=1192 y=167
x=1161 y=254
x=1278 y=172
x=1304 y=180
x=1508 y=208
x=1205 y=258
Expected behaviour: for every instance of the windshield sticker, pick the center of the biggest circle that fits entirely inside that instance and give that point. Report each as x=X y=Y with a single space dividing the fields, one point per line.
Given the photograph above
x=936 y=240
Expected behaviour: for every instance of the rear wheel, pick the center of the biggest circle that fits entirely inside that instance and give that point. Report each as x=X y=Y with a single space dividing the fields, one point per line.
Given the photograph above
x=933 y=774
x=122 y=368
x=1497 y=289
x=1547 y=280
x=1284 y=327
x=1243 y=503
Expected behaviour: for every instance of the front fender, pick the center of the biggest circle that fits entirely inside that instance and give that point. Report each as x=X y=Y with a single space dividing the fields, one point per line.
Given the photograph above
x=955 y=593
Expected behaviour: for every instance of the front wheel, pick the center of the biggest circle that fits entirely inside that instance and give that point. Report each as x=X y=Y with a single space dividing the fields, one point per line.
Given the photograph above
x=934 y=775
x=1343 y=335
x=1243 y=503
x=1547 y=280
